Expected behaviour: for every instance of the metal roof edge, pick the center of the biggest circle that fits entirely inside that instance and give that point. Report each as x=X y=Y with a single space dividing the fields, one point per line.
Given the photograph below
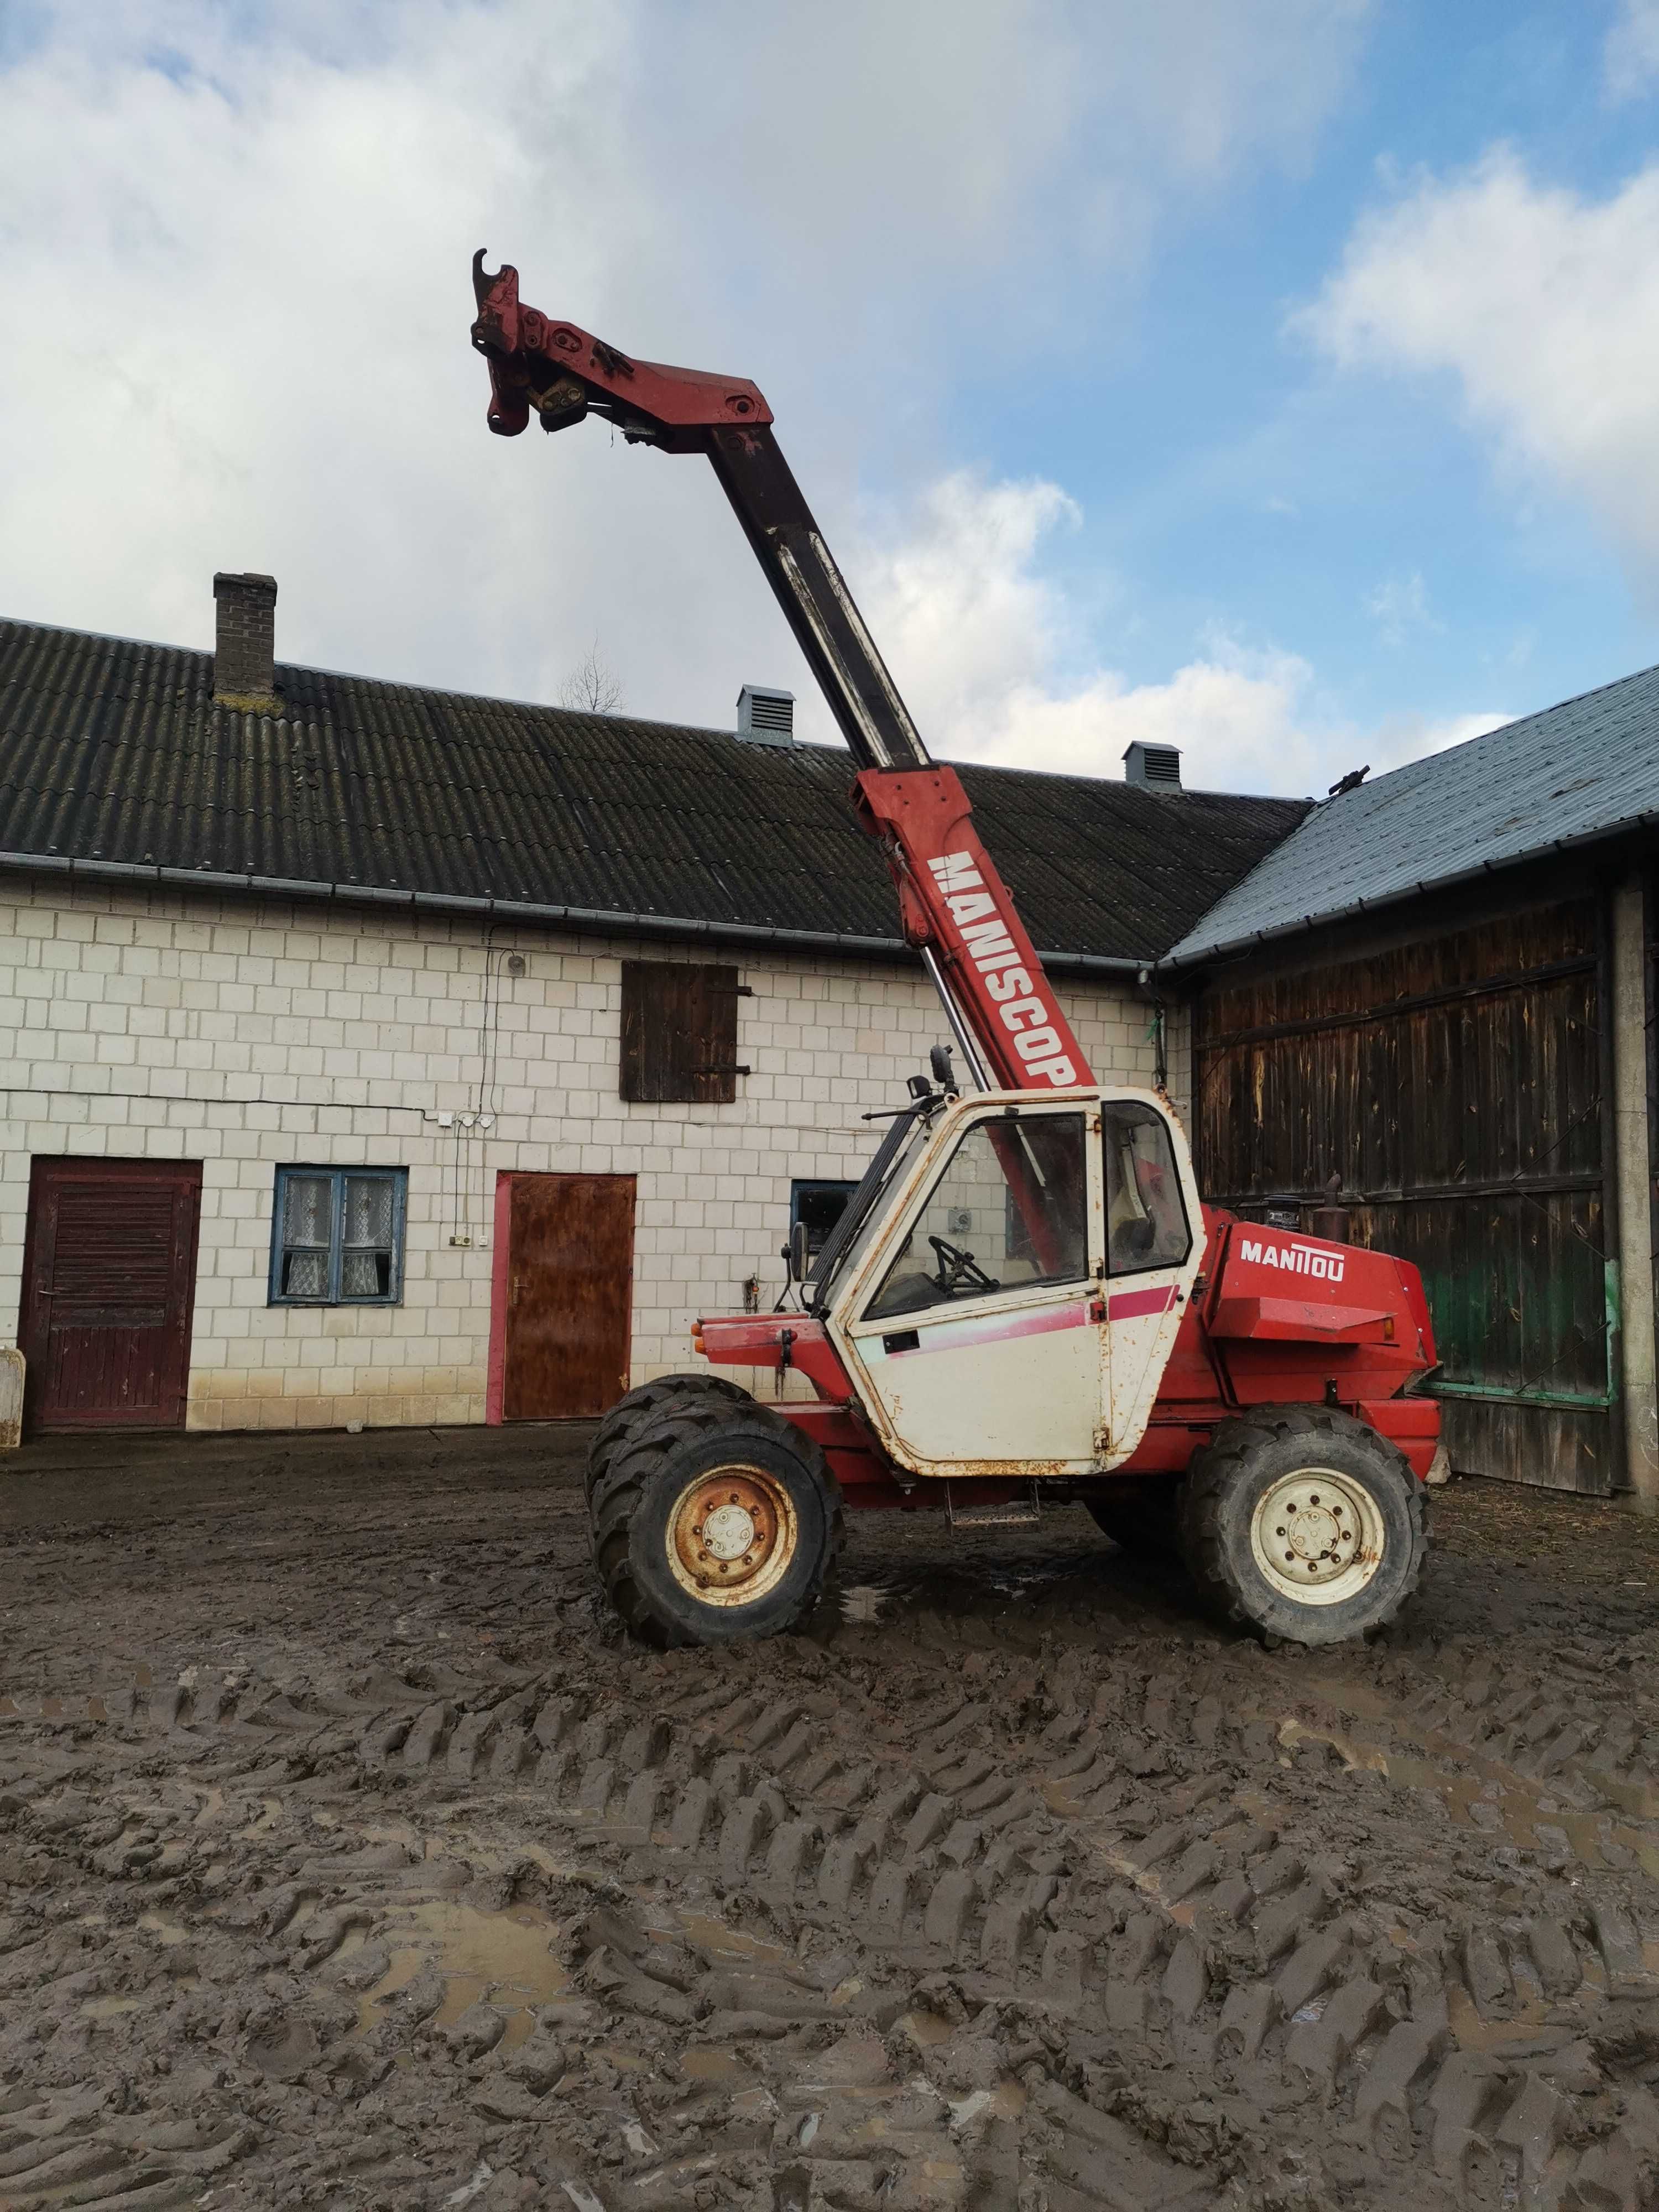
x=456 y=905
x=1107 y=964
x=1228 y=946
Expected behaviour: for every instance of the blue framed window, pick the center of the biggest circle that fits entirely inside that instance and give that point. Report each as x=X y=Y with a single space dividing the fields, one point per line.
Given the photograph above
x=336 y=1237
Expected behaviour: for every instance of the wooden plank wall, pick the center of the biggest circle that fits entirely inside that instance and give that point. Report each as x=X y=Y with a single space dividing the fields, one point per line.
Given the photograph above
x=1455 y=1083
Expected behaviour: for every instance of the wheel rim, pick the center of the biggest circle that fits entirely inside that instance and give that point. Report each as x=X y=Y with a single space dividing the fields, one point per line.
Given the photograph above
x=732 y=1535
x=1317 y=1536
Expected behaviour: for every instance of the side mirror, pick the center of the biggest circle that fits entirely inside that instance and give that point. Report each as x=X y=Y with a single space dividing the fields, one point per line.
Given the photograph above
x=943 y=1074
x=800 y=1257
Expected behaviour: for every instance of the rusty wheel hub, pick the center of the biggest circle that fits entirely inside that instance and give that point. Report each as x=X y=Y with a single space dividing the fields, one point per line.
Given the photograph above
x=732 y=1535
x=1317 y=1536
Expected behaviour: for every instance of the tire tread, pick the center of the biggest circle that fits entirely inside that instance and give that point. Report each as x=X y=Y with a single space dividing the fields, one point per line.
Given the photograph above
x=642 y=1404
x=621 y=1489
x=1220 y=1464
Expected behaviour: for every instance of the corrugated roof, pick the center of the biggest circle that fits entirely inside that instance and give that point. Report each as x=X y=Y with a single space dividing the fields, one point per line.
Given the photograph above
x=112 y=751
x=1576 y=773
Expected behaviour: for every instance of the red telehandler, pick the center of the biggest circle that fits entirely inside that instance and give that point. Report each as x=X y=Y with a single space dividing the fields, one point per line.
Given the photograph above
x=1025 y=1297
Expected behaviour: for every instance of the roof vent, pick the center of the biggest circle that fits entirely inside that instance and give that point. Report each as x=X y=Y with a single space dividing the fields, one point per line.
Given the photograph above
x=766 y=717
x=1154 y=767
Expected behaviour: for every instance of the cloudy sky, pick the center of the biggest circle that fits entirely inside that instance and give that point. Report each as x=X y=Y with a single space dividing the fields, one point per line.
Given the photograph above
x=1275 y=378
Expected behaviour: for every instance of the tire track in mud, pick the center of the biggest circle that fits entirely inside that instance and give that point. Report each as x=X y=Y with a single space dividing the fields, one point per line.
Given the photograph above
x=989 y=1891
x=991 y=1867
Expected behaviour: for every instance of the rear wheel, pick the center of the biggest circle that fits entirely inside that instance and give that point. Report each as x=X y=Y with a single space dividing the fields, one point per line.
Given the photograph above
x=714 y=1524
x=629 y=1414
x=1304 y=1523
x=1139 y=1516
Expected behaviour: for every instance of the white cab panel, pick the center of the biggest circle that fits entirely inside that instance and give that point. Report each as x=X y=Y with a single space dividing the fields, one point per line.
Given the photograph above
x=976 y=1324
x=1015 y=1312
x=992 y=1382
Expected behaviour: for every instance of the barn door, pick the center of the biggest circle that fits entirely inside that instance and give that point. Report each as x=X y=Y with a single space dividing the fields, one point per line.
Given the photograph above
x=109 y=1273
x=569 y=1295
x=1458 y=1083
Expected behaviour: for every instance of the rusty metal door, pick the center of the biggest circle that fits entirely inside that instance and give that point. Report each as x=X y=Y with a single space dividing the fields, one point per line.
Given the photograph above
x=569 y=1295
x=1458 y=1083
x=109 y=1276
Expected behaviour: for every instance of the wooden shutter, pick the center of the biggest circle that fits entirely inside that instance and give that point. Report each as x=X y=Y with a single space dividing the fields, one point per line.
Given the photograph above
x=679 y=1033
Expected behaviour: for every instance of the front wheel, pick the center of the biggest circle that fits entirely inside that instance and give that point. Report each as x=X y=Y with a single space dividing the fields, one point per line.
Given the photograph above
x=1304 y=1523
x=715 y=1524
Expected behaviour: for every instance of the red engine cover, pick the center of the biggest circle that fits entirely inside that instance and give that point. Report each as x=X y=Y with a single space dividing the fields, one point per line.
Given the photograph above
x=1292 y=1318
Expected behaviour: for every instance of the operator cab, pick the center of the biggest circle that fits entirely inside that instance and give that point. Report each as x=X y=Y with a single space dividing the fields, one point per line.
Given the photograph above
x=1008 y=1276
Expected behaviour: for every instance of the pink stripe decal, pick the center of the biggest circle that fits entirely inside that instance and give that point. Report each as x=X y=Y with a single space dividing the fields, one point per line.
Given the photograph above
x=952 y=1336
x=1128 y=1303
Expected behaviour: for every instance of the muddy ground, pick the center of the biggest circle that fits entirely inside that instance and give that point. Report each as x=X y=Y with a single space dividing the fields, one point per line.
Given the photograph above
x=349 y=1858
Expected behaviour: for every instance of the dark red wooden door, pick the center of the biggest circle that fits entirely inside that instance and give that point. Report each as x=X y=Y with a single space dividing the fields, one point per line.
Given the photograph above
x=569 y=1296
x=109 y=1273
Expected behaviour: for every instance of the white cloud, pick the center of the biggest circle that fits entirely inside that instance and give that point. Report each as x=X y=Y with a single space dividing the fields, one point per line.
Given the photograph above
x=1631 y=58
x=1399 y=607
x=1543 y=304
x=986 y=649
x=1240 y=717
x=236 y=242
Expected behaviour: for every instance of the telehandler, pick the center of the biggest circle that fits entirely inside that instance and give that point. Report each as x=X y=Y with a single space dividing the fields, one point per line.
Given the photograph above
x=1025 y=1298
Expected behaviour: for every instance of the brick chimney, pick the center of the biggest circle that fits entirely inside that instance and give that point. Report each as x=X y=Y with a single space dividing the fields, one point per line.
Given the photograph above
x=244 y=641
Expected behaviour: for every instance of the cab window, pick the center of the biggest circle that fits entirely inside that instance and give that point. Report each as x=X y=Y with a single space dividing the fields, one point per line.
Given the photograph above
x=1009 y=1210
x=1146 y=1224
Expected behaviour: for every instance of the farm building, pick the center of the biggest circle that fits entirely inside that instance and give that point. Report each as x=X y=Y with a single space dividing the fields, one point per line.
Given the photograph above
x=1440 y=987
x=382 y=1055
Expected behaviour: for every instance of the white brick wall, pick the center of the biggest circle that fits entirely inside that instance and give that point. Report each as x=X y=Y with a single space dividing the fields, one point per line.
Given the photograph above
x=249 y=1036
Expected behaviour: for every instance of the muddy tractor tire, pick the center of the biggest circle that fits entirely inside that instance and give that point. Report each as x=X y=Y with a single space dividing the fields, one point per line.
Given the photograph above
x=1142 y=1517
x=715 y=1524
x=1303 y=1523
x=629 y=1414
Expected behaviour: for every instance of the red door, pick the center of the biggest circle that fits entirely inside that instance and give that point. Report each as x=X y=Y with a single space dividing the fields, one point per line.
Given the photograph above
x=569 y=1295
x=109 y=1274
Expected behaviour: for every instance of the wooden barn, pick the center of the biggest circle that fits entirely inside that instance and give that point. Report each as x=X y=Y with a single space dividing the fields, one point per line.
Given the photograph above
x=1439 y=988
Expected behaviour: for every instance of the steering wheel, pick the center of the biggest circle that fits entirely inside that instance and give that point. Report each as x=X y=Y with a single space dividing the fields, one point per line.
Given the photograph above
x=957 y=1267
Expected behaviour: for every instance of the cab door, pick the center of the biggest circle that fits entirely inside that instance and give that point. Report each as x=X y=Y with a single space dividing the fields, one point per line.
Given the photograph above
x=1153 y=1247
x=978 y=1326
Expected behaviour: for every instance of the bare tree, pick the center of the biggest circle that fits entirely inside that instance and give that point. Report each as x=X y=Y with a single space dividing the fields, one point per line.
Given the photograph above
x=592 y=686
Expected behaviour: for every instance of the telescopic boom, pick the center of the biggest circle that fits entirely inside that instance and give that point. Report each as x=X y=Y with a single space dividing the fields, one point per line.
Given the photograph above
x=954 y=908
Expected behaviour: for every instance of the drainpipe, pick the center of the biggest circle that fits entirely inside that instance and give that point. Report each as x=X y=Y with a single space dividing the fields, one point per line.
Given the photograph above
x=1629 y=1078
